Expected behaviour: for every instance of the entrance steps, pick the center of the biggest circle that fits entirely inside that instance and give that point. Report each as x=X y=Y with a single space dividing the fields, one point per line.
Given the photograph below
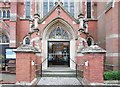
x=59 y=72
x=59 y=77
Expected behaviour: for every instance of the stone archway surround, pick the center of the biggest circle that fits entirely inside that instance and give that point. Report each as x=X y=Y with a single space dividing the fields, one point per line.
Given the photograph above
x=67 y=27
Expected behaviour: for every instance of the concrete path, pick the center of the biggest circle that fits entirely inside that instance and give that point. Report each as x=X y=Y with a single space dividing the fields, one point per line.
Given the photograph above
x=58 y=81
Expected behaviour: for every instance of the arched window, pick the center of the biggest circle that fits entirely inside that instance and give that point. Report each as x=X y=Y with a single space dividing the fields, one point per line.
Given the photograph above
x=5 y=39
x=8 y=14
x=0 y=14
x=4 y=14
x=27 y=10
x=90 y=41
x=27 y=41
x=58 y=33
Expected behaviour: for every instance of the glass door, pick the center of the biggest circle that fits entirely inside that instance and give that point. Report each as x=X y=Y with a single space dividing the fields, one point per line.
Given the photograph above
x=58 y=53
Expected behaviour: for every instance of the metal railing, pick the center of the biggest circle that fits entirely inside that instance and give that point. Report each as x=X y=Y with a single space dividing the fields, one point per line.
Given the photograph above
x=39 y=68
x=78 y=68
x=78 y=71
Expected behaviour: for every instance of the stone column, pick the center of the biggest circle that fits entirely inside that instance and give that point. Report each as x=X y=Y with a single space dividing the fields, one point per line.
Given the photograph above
x=25 y=64
x=93 y=64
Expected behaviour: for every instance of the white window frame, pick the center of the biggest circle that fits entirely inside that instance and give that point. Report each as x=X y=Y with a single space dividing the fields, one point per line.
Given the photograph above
x=24 y=40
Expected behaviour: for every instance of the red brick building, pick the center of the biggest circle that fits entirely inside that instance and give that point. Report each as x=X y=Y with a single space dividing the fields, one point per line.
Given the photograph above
x=54 y=28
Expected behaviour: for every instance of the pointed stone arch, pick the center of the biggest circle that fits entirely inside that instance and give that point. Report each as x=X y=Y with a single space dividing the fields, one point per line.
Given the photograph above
x=45 y=38
x=59 y=20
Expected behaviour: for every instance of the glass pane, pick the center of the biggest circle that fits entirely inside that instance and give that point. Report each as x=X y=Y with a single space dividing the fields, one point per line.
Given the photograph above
x=0 y=14
x=72 y=8
x=45 y=8
x=51 y=3
x=66 y=4
x=8 y=14
x=88 y=8
x=58 y=33
x=58 y=53
x=28 y=9
x=4 y=14
x=27 y=41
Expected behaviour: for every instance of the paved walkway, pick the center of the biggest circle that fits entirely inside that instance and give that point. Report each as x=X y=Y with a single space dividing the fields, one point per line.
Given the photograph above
x=58 y=81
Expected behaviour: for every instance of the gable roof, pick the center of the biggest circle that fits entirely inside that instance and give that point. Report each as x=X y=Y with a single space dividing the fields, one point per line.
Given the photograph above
x=53 y=9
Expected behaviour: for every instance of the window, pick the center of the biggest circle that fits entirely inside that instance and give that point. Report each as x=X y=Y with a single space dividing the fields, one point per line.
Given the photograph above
x=0 y=14
x=4 y=39
x=45 y=7
x=27 y=41
x=27 y=8
x=66 y=4
x=72 y=7
x=4 y=14
x=51 y=4
x=58 y=33
x=90 y=41
x=88 y=8
x=8 y=14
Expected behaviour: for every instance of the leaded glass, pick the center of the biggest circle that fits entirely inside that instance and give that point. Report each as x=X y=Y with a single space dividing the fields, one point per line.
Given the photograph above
x=58 y=33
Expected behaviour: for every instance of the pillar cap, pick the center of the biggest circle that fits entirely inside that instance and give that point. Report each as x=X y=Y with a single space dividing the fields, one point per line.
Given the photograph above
x=27 y=49
x=93 y=49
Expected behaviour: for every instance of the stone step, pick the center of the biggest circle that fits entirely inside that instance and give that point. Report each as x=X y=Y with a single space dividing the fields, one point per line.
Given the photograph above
x=59 y=72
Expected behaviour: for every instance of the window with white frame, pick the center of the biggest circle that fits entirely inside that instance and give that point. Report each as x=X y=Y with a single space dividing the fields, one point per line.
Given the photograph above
x=89 y=12
x=27 y=9
x=90 y=41
x=26 y=40
x=8 y=14
x=5 y=13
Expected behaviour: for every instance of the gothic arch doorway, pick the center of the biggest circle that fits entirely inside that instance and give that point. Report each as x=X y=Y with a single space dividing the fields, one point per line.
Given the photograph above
x=66 y=34
x=59 y=47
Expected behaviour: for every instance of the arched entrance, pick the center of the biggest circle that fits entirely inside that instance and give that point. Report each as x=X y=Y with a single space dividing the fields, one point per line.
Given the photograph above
x=58 y=34
x=59 y=47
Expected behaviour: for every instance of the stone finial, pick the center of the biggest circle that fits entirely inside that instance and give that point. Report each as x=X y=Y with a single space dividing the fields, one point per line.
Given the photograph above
x=93 y=49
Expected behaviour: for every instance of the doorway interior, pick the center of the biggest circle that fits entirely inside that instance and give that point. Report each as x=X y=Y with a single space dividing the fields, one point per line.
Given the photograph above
x=58 y=53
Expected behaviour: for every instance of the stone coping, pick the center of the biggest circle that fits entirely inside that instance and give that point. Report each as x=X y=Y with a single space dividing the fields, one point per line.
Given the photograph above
x=93 y=49
x=27 y=49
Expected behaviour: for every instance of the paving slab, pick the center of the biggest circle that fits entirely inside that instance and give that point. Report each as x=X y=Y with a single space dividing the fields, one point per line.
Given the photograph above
x=58 y=81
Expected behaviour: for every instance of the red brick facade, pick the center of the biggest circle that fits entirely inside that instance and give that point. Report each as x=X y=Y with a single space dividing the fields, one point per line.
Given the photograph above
x=102 y=27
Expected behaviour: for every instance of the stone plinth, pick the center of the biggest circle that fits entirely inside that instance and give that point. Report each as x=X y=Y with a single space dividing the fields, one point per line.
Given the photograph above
x=93 y=64
x=25 y=63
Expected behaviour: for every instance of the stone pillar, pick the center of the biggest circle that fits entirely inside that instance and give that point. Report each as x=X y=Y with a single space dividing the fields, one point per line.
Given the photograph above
x=25 y=64
x=93 y=64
